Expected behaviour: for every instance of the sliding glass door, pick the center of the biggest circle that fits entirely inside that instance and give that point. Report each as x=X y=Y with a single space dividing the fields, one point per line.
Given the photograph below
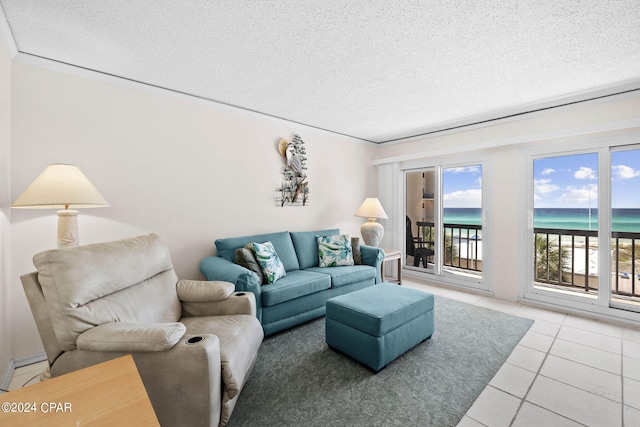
x=421 y=216
x=462 y=220
x=565 y=219
x=625 y=228
x=586 y=228
x=443 y=215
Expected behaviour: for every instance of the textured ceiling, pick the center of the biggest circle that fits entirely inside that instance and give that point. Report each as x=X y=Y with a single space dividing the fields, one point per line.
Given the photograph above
x=377 y=70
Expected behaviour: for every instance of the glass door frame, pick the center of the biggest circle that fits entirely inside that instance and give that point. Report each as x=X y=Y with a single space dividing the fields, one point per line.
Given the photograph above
x=613 y=304
x=439 y=274
x=436 y=269
x=601 y=304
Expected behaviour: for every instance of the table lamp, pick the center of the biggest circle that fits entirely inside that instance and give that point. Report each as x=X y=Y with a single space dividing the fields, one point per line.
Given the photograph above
x=66 y=187
x=371 y=230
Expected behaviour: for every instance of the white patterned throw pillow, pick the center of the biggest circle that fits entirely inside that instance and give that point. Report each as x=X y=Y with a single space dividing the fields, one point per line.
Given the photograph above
x=335 y=250
x=272 y=267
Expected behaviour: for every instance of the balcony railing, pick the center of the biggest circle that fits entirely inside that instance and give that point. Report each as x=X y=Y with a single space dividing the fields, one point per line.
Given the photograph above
x=569 y=258
x=462 y=244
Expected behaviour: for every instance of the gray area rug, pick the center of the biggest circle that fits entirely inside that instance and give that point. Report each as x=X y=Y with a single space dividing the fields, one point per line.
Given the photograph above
x=299 y=381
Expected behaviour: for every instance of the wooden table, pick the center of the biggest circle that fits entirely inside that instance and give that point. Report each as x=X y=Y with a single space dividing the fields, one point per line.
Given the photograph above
x=109 y=394
x=390 y=255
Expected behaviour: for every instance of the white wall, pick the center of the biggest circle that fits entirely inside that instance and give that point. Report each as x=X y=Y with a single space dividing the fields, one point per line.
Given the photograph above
x=502 y=146
x=189 y=170
x=5 y=201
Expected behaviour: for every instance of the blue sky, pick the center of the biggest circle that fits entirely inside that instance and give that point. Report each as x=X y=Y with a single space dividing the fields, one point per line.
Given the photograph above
x=462 y=187
x=572 y=181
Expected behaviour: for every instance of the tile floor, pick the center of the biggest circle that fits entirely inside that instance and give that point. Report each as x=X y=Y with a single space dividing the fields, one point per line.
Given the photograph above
x=566 y=371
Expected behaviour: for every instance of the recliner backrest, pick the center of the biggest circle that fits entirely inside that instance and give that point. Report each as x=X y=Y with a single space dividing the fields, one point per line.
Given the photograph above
x=130 y=280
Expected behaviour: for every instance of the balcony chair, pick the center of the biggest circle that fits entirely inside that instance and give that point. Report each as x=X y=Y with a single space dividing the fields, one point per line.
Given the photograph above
x=193 y=342
x=417 y=248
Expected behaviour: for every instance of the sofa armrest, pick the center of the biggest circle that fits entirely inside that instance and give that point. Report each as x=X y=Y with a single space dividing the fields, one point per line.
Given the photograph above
x=373 y=256
x=219 y=269
x=131 y=337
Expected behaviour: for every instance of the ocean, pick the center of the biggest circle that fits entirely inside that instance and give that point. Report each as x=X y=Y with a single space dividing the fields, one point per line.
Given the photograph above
x=561 y=218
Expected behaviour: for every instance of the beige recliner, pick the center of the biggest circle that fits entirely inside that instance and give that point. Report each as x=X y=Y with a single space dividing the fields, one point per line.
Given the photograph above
x=193 y=342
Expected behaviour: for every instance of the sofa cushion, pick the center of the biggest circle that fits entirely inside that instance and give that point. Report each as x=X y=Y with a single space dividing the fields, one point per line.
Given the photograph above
x=295 y=284
x=306 y=246
x=269 y=261
x=335 y=251
x=226 y=248
x=346 y=275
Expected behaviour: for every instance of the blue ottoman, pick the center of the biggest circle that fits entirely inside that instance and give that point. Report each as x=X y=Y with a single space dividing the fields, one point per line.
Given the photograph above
x=376 y=325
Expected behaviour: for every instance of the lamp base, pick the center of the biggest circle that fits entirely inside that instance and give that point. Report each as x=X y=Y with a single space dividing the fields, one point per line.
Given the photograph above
x=68 y=235
x=372 y=232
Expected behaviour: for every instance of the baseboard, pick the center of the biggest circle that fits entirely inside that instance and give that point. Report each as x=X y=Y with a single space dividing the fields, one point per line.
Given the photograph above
x=19 y=363
x=8 y=375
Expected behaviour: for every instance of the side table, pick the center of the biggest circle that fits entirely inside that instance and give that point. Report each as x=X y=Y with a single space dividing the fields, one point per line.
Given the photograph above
x=390 y=255
x=109 y=393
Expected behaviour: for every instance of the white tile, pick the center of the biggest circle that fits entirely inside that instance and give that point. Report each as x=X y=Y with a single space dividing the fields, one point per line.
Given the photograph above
x=631 y=392
x=469 y=422
x=631 y=417
x=631 y=334
x=463 y=296
x=533 y=416
x=574 y=403
x=591 y=339
x=631 y=368
x=19 y=381
x=34 y=368
x=494 y=408
x=590 y=356
x=540 y=314
x=631 y=349
x=527 y=358
x=537 y=341
x=513 y=379
x=546 y=328
x=584 y=377
x=498 y=305
x=592 y=325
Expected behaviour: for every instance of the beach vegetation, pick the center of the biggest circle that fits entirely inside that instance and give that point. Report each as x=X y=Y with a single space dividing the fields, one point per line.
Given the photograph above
x=551 y=260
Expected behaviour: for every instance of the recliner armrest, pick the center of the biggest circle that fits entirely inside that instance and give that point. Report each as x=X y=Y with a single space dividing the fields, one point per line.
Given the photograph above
x=131 y=337
x=217 y=268
x=203 y=291
x=237 y=303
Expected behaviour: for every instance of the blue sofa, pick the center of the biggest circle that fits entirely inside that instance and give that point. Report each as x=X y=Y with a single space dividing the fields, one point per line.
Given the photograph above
x=300 y=295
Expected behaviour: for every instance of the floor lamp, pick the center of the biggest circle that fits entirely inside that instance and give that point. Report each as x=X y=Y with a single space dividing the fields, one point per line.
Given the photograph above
x=62 y=186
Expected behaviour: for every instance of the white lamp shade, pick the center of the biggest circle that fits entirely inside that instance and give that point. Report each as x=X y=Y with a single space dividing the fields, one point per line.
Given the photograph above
x=371 y=208
x=60 y=186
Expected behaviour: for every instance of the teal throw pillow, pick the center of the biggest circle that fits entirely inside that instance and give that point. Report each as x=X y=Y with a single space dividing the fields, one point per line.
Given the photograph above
x=272 y=267
x=335 y=250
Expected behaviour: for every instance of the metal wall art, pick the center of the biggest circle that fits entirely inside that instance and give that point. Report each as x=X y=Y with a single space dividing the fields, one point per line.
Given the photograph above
x=295 y=187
